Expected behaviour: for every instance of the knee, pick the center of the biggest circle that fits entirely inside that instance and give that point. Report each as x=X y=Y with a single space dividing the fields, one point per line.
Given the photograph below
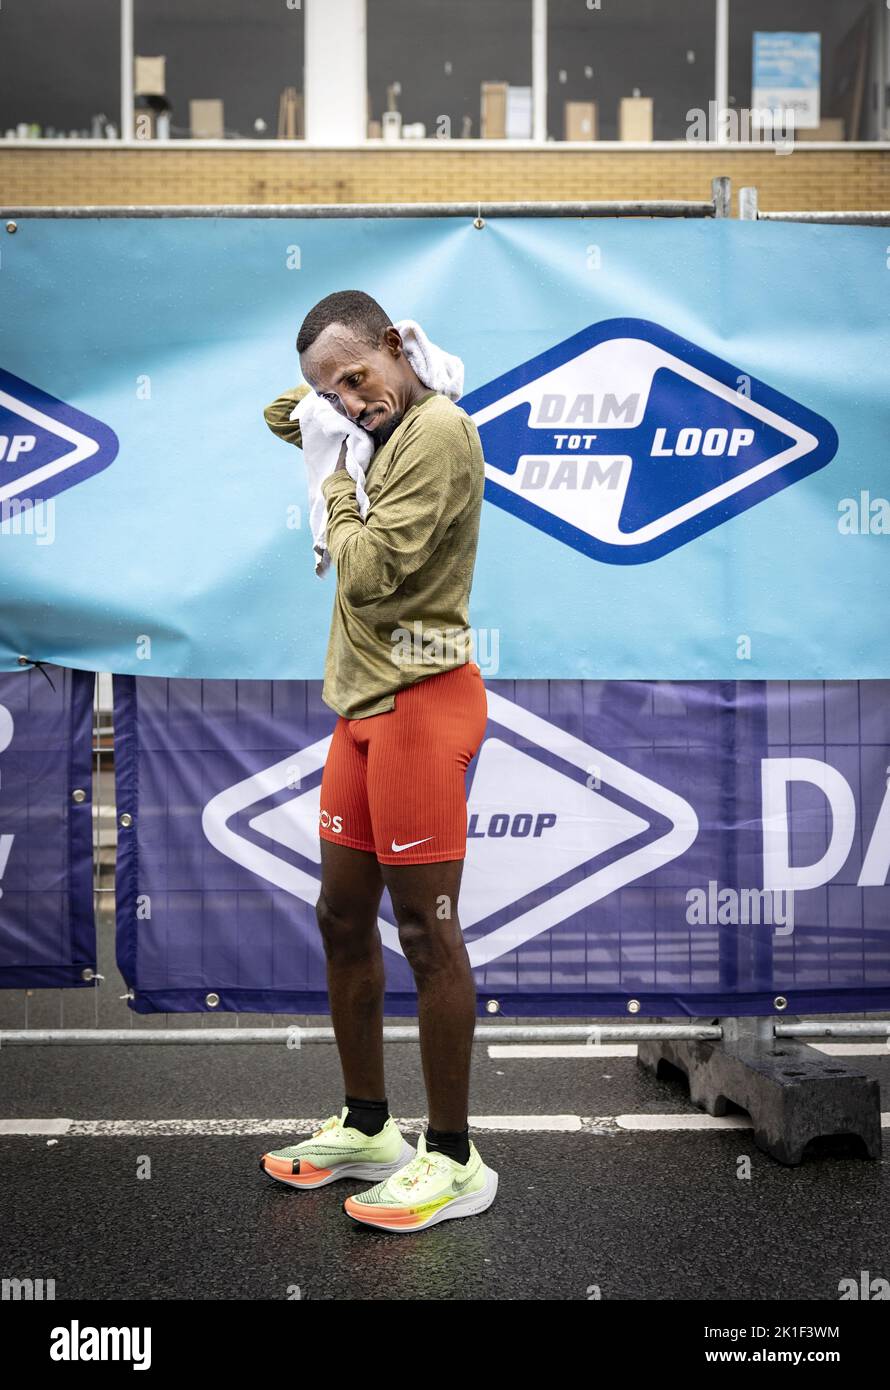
x=343 y=931
x=426 y=943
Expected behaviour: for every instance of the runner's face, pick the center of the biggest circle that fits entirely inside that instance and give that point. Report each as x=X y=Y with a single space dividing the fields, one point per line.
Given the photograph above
x=360 y=382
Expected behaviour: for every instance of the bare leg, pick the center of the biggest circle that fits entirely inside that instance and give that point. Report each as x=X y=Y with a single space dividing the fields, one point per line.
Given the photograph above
x=424 y=897
x=351 y=889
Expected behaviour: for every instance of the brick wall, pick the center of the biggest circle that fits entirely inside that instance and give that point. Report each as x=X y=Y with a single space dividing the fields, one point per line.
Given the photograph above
x=806 y=179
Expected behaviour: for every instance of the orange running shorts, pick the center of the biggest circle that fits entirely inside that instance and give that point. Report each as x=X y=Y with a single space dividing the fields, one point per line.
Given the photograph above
x=394 y=784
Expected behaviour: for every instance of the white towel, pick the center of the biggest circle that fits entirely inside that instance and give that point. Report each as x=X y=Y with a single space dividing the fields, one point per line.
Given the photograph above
x=323 y=430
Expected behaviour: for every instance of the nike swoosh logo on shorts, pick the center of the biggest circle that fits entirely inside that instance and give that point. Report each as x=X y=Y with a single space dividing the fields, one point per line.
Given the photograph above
x=397 y=849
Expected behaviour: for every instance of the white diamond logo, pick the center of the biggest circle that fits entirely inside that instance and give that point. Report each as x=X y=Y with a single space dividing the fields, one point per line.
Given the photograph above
x=531 y=824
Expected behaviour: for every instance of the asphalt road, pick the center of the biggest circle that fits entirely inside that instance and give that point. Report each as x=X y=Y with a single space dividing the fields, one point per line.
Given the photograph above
x=593 y=1208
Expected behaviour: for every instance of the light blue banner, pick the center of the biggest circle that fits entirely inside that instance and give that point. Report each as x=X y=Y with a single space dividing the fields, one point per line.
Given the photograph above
x=685 y=426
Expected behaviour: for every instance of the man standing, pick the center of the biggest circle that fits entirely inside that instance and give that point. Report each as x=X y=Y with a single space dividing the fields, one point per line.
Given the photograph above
x=412 y=713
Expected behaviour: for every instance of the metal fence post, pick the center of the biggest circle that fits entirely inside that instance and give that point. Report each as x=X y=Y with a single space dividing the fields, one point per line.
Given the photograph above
x=721 y=192
x=748 y=204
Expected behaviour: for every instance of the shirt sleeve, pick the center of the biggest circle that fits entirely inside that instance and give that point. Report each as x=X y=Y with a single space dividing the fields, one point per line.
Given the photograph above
x=277 y=415
x=425 y=489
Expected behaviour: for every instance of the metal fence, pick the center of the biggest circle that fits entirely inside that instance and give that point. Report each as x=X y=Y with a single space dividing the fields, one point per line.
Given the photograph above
x=592 y=1034
x=749 y=211
x=718 y=206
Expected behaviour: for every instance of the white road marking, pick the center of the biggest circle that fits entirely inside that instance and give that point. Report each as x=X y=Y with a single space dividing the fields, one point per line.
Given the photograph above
x=526 y=1122
x=577 y=1124
x=698 y=1121
x=592 y=1050
x=101 y=1129
x=517 y=1051
x=34 y=1126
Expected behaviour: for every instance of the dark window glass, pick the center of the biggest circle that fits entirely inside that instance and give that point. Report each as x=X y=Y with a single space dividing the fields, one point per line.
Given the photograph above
x=440 y=52
x=243 y=53
x=848 y=59
x=645 y=50
x=59 y=65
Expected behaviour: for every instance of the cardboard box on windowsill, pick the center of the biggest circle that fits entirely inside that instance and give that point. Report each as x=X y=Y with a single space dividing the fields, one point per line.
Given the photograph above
x=580 y=120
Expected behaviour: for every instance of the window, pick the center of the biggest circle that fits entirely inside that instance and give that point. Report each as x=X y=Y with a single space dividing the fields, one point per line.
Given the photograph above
x=614 y=70
x=628 y=71
x=60 y=69
x=828 y=51
x=428 y=61
x=231 y=70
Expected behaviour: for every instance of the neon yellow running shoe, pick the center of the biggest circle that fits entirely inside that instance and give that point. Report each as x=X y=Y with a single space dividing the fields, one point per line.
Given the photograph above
x=339 y=1151
x=431 y=1187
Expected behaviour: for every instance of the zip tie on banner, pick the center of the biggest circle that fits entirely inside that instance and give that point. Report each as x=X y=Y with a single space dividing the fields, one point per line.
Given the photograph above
x=32 y=661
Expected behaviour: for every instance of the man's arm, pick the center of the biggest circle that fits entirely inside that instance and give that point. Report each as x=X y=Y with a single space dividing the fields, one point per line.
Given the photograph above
x=425 y=489
x=276 y=415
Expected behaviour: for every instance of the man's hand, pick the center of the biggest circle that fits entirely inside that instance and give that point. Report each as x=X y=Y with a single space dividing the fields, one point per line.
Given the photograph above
x=341 y=461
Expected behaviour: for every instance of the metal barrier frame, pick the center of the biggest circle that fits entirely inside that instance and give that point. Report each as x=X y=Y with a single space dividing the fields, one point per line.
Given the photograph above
x=717 y=207
x=749 y=211
x=592 y=1035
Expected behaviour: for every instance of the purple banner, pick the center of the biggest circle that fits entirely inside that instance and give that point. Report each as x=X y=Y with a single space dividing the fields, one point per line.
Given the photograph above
x=635 y=848
x=47 y=929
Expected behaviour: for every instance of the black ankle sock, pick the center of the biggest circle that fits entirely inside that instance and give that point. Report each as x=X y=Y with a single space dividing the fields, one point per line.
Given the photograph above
x=369 y=1116
x=453 y=1142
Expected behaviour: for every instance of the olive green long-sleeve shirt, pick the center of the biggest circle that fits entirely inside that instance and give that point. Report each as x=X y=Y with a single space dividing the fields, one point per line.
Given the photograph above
x=401 y=610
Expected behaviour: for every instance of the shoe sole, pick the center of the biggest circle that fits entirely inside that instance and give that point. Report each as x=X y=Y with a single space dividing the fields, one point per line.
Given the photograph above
x=372 y=1171
x=471 y=1205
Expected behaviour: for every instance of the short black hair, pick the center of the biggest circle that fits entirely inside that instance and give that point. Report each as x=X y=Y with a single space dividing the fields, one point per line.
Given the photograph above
x=357 y=310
